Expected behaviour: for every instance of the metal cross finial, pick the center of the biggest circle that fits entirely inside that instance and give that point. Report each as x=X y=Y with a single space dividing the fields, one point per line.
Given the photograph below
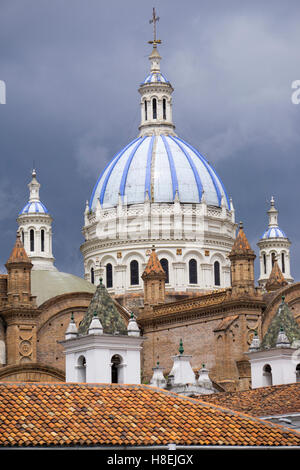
x=154 y=20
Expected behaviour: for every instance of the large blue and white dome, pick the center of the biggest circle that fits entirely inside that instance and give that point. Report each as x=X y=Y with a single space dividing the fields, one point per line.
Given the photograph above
x=158 y=190
x=160 y=165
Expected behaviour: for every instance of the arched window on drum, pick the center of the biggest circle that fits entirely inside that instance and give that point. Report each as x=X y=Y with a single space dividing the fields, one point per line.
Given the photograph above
x=31 y=238
x=92 y=276
x=109 y=275
x=193 y=275
x=134 y=273
x=217 y=279
x=154 y=108
x=165 y=265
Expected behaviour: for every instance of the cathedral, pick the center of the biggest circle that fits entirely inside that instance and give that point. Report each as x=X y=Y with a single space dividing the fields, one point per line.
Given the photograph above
x=164 y=260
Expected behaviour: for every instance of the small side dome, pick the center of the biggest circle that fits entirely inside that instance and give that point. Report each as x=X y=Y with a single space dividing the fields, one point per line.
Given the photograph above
x=155 y=77
x=34 y=208
x=274 y=232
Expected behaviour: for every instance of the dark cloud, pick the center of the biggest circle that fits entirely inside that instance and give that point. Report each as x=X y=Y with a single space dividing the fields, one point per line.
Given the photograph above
x=72 y=69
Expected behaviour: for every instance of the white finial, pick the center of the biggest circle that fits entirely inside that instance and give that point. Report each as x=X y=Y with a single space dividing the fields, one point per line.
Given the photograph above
x=95 y=327
x=158 y=379
x=203 y=379
x=255 y=344
x=273 y=214
x=72 y=331
x=34 y=188
x=282 y=340
x=182 y=369
x=132 y=328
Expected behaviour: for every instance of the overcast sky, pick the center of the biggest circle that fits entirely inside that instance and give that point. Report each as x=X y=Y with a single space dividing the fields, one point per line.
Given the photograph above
x=72 y=69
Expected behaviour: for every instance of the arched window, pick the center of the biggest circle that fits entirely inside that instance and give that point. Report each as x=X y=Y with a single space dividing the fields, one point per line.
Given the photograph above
x=42 y=240
x=134 y=273
x=109 y=275
x=165 y=265
x=193 y=275
x=273 y=257
x=164 y=108
x=116 y=361
x=267 y=375
x=31 y=236
x=298 y=373
x=282 y=263
x=22 y=236
x=154 y=108
x=217 y=273
x=265 y=263
x=146 y=111
x=81 y=369
x=92 y=276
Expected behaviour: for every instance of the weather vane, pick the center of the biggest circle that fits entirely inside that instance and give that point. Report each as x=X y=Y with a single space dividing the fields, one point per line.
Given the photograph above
x=154 y=20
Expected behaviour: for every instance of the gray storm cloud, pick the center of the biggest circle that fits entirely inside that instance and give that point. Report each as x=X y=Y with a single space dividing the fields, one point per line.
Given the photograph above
x=72 y=70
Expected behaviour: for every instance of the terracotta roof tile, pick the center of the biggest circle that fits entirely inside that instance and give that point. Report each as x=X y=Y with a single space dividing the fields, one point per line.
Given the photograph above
x=18 y=253
x=241 y=244
x=153 y=267
x=263 y=401
x=276 y=279
x=130 y=415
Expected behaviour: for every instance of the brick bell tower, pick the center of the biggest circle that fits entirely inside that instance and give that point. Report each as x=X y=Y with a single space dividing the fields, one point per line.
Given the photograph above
x=154 y=278
x=242 y=265
x=19 y=310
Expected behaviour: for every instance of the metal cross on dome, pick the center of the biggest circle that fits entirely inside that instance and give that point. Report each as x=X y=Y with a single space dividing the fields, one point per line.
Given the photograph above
x=154 y=20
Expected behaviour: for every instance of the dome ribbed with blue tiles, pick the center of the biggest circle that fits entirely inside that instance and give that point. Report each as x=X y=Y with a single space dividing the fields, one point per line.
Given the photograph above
x=34 y=205
x=155 y=77
x=160 y=165
x=274 y=232
x=34 y=208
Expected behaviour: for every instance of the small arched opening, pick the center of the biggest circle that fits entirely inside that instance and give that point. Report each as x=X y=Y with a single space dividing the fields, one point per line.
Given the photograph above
x=154 y=108
x=273 y=257
x=42 y=240
x=109 y=275
x=165 y=265
x=298 y=373
x=31 y=237
x=164 y=108
x=116 y=362
x=81 y=369
x=92 y=276
x=265 y=263
x=134 y=273
x=146 y=111
x=282 y=263
x=193 y=275
x=267 y=375
x=217 y=279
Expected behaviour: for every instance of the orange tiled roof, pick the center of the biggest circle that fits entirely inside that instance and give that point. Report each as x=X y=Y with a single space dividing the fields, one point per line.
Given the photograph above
x=263 y=401
x=153 y=266
x=241 y=244
x=69 y=414
x=276 y=279
x=18 y=253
